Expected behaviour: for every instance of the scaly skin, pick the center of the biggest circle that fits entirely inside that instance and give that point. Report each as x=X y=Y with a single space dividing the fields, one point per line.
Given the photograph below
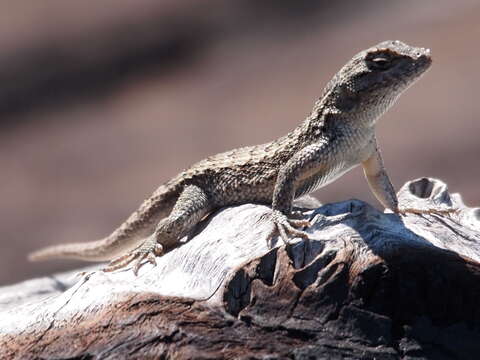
x=338 y=135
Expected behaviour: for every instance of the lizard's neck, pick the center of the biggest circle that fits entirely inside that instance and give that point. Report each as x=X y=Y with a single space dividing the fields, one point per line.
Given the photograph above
x=336 y=113
x=359 y=110
x=327 y=121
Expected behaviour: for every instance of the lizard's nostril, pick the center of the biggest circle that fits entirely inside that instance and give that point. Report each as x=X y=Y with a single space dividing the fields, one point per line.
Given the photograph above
x=422 y=52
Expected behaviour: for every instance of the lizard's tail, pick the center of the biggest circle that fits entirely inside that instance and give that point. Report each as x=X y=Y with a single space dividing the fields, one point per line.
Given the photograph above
x=81 y=251
x=137 y=227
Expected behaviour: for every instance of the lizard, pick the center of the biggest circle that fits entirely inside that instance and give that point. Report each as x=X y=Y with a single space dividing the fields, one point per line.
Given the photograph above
x=336 y=136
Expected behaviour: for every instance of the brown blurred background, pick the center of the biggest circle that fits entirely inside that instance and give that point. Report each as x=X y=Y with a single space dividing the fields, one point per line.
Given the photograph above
x=100 y=102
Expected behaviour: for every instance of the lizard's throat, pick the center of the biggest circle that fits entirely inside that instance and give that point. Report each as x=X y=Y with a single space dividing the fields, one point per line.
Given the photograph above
x=368 y=112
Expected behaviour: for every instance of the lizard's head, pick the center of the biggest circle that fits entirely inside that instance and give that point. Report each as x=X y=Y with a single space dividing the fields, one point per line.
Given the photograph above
x=371 y=82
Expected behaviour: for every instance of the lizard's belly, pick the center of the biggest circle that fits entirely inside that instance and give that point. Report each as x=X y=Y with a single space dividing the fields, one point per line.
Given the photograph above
x=347 y=156
x=323 y=178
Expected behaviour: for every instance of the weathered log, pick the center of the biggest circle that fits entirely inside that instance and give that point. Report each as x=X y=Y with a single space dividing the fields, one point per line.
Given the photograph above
x=367 y=285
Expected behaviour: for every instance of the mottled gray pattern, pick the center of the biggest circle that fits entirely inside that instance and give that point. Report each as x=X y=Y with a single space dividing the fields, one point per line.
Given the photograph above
x=338 y=135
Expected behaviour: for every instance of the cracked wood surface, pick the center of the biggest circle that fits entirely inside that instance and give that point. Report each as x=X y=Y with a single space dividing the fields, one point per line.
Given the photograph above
x=367 y=285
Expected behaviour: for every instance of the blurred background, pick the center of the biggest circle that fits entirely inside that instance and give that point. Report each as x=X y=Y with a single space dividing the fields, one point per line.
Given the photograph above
x=100 y=102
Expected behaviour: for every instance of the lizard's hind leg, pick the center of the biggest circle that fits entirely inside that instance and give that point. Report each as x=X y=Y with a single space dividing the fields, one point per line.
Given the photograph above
x=191 y=206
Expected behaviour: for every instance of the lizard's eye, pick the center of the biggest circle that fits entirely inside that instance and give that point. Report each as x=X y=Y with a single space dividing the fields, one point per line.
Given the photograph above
x=380 y=62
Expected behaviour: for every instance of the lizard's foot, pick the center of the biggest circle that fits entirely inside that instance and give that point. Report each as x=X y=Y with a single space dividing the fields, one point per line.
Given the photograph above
x=287 y=227
x=146 y=251
x=431 y=211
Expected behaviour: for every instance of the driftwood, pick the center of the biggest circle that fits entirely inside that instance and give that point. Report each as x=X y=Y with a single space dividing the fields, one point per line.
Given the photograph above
x=368 y=285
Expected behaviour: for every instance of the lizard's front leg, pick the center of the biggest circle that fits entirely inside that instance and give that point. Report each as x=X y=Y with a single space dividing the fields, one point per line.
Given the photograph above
x=305 y=163
x=379 y=181
x=191 y=206
x=383 y=190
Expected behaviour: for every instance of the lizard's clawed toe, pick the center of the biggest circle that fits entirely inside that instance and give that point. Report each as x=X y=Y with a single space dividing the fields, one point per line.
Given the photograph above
x=147 y=251
x=139 y=261
x=287 y=228
x=431 y=211
x=119 y=262
x=299 y=223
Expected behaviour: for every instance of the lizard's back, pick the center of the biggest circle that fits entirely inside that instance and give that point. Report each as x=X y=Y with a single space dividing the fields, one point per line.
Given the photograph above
x=246 y=174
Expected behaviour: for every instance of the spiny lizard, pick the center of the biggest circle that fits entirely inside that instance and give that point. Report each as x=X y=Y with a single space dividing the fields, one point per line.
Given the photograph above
x=338 y=134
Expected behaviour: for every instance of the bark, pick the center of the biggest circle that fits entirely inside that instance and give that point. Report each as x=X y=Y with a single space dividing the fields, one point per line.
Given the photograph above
x=368 y=285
